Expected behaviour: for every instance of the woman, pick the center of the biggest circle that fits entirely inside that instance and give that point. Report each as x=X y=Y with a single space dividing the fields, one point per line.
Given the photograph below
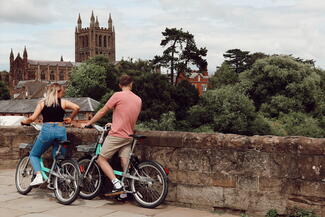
x=52 y=108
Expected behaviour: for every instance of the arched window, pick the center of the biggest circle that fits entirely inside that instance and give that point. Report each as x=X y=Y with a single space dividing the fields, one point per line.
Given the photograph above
x=86 y=38
x=96 y=40
x=100 y=41
x=105 y=41
x=31 y=75
x=20 y=75
x=61 y=76
x=42 y=75
x=52 y=78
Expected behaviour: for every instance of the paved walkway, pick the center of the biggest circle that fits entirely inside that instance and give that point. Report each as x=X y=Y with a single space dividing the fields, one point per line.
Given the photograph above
x=41 y=203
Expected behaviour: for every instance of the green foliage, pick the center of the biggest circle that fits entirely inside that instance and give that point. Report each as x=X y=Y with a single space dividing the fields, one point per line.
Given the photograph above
x=167 y=122
x=4 y=91
x=224 y=110
x=301 y=124
x=240 y=61
x=295 y=212
x=272 y=213
x=283 y=76
x=224 y=75
x=185 y=95
x=87 y=80
x=156 y=94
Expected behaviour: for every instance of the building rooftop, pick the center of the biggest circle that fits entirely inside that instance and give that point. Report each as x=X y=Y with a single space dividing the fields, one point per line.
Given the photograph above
x=23 y=106
x=53 y=63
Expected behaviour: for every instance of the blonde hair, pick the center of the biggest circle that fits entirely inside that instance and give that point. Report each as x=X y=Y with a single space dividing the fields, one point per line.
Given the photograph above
x=51 y=96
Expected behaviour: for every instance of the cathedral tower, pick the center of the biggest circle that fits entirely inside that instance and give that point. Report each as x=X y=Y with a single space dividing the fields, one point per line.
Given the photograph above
x=94 y=40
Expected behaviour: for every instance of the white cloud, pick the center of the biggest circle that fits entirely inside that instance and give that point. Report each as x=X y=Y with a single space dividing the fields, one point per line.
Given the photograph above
x=269 y=26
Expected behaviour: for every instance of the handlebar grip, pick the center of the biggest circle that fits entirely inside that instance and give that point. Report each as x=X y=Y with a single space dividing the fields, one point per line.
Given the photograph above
x=25 y=124
x=89 y=126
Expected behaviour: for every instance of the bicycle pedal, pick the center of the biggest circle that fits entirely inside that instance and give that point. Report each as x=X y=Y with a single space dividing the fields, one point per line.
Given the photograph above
x=111 y=194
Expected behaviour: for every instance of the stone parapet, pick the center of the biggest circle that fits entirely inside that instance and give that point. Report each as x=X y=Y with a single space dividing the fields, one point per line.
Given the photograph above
x=219 y=171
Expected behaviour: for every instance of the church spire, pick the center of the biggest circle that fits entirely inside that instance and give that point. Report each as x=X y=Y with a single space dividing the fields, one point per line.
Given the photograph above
x=79 y=19
x=92 y=19
x=25 y=53
x=110 y=22
x=97 y=23
x=11 y=56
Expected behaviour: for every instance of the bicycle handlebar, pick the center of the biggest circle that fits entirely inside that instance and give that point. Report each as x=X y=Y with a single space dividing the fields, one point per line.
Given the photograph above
x=38 y=127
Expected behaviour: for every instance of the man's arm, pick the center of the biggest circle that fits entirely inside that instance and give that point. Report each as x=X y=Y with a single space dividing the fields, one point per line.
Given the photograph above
x=101 y=112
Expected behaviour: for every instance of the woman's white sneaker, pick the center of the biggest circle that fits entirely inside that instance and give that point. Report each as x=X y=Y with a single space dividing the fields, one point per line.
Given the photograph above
x=37 y=180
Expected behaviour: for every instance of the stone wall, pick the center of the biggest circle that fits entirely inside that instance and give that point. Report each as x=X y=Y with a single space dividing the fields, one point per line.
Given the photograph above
x=220 y=171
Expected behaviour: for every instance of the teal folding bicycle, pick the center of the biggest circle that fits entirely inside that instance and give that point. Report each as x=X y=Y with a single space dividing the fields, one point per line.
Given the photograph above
x=146 y=181
x=63 y=177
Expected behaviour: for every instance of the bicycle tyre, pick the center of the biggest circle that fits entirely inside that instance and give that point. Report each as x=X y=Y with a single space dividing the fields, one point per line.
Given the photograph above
x=145 y=193
x=24 y=171
x=69 y=169
x=93 y=182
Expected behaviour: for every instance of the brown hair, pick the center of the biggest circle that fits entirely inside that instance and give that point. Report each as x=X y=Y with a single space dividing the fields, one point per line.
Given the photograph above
x=125 y=80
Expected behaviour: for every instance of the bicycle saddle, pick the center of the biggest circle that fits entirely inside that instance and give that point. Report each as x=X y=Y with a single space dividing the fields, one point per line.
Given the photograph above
x=65 y=142
x=138 y=136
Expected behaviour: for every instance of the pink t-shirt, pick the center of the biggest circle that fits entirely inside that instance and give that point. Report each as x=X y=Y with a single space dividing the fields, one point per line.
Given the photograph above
x=126 y=109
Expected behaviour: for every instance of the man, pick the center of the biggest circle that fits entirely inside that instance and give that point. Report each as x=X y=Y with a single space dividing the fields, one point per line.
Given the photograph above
x=126 y=107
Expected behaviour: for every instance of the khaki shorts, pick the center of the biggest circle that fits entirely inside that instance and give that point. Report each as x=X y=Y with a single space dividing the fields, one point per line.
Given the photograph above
x=113 y=144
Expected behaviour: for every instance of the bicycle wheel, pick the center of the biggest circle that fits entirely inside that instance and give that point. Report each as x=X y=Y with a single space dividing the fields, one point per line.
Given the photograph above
x=24 y=175
x=92 y=182
x=66 y=186
x=151 y=190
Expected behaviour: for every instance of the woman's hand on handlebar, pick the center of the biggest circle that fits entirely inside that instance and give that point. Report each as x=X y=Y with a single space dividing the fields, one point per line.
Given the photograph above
x=25 y=122
x=67 y=120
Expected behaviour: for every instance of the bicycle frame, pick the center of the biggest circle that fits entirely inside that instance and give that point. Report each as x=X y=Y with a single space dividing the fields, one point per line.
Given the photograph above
x=45 y=170
x=124 y=174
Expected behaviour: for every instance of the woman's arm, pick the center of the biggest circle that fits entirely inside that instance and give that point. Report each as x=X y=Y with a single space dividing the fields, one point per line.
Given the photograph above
x=70 y=106
x=34 y=116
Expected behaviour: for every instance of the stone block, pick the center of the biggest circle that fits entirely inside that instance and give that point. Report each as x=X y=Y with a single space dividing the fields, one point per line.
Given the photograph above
x=223 y=180
x=311 y=167
x=284 y=165
x=269 y=184
x=247 y=183
x=193 y=178
x=193 y=159
x=204 y=195
x=172 y=192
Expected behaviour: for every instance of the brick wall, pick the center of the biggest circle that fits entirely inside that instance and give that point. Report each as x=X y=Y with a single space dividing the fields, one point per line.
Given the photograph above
x=220 y=171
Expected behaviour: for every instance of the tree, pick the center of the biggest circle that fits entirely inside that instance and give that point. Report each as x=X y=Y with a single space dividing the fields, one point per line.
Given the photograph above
x=283 y=76
x=185 y=96
x=225 y=110
x=156 y=94
x=4 y=91
x=241 y=60
x=87 y=80
x=225 y=75
x=181 y=53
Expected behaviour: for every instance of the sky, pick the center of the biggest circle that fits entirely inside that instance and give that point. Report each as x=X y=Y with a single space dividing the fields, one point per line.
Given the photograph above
x=46 y=27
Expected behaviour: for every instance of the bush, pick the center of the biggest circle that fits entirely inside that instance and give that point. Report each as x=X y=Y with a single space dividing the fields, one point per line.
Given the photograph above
x=300 y=124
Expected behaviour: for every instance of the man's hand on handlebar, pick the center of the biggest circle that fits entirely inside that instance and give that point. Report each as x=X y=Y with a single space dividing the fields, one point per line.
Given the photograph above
x=86 y=126
x=109 y=125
